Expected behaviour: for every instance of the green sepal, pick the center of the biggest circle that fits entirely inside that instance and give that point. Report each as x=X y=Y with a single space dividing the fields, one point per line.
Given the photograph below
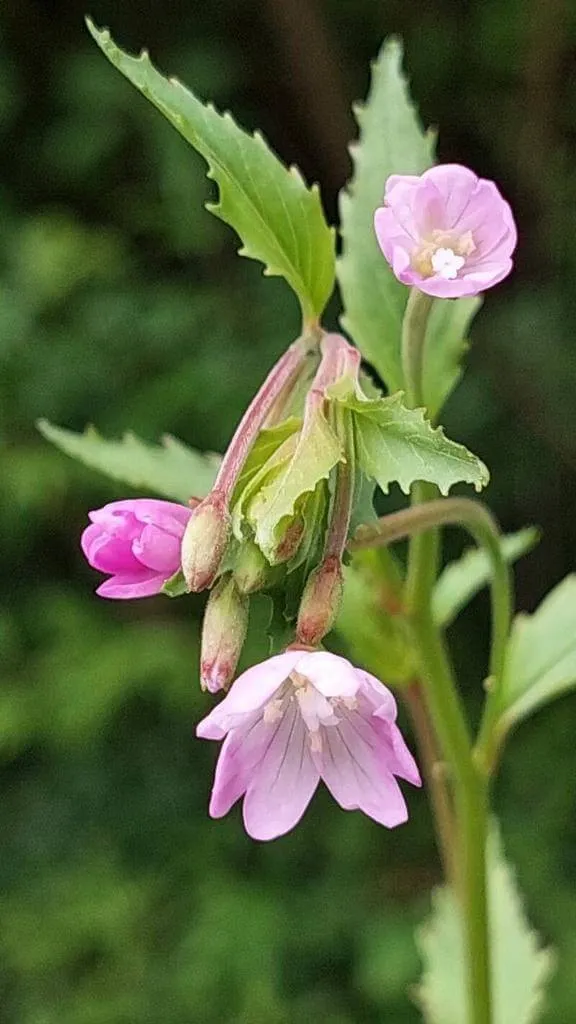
x=170 y=469
x=175 y=586
x=279 y=219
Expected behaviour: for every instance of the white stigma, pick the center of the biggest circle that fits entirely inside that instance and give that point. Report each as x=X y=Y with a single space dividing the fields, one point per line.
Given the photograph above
x=446 y=263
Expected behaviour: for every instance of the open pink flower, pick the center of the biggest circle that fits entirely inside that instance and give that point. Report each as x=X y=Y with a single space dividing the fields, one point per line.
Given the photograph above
x=446 y=232
x=138 y=542
x=295 y=719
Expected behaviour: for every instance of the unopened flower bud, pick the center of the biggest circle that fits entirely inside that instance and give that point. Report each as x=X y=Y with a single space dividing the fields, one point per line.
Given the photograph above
x=223 y=634
x=289 y=543
x=204 y=542
x=251 y=569
x=320 y=602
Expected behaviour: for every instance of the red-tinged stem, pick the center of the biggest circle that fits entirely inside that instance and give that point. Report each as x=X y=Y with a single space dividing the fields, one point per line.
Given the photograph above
x=281 y=377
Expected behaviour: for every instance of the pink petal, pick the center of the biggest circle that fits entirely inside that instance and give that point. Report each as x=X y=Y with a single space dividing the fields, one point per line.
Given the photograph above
x=428 y=208
x=331 y=675
x=283 y=783
x=399 y=758
x=456 y=184
x=390 y=233
x=128 y=585
x=241 y=750
x=250 y=692
x=440 y=288
x=353 y=764
x=158 y=550
x=379 y=696
x=108 y=548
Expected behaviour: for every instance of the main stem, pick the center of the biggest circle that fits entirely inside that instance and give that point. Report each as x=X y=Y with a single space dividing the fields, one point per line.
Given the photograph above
x=470 y=788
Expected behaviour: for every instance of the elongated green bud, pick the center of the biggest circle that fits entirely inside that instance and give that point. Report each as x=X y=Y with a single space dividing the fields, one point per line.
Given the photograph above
x=320 y=602
x=223 y=634
x=204 y=542
x=251 y=570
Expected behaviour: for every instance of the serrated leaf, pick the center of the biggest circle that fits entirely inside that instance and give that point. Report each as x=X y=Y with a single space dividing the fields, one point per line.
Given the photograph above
x=462 y=579
x=541 y=658
x=317 y=451
x=170 y=469
x=376 y=634
x=391 y=141
x=520 y=966
x=279 y=219
x=397 y=444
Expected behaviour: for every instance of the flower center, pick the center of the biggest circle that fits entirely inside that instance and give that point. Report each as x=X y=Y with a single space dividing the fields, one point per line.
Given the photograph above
x=316 y=710
x=443 y=253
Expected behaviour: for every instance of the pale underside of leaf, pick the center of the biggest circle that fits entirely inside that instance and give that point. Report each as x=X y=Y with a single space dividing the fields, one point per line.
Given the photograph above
x=279 y=219
x=170 y=469
x=520 y=966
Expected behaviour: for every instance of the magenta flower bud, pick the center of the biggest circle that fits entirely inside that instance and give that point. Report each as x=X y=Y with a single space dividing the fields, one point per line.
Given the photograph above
x=447 y=233
x=223 y=634
x=320 y=602
x=300 y=717
x=204 y=542
x=251 y=570
x=136 y=541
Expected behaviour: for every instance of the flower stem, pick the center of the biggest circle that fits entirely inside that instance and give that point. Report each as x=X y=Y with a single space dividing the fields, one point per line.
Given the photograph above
x=436 y=778
x=470 y=789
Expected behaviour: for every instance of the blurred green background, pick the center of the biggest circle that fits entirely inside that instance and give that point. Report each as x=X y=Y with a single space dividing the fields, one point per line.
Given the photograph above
x=122 y=303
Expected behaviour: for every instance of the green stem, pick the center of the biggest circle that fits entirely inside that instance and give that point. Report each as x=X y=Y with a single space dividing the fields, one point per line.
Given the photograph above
x=470 y=789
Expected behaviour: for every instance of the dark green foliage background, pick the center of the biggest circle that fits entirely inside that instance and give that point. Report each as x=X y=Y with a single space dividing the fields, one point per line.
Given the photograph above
x=122 y=303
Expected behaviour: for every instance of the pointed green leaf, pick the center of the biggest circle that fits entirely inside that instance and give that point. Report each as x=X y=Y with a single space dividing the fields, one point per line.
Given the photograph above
x=520 y=966
x=541 y=658
x=176 y=586
x=279 y=220
x=396 y=444
x=316 y=453
x=170 y=469
x=391 y=141
x=462 y=579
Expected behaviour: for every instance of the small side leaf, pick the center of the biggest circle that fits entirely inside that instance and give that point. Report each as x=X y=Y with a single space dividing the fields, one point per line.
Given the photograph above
x=170 y=469
x=462 y=579
x=541 y=658
x=520 y=966
x=396 y=444
x=280 y=220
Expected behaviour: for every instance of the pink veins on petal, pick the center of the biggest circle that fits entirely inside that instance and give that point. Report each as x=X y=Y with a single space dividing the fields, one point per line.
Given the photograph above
x=447 y=232
x=295 y=719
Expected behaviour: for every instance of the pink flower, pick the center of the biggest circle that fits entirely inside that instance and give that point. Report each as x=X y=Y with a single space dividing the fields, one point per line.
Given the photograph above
x=446 y=232
x=295 y=719
x=138 y=542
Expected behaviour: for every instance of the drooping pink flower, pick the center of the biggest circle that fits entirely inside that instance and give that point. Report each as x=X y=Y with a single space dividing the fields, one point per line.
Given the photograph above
x=447 y=232
x=138 y=542
x=295 y=719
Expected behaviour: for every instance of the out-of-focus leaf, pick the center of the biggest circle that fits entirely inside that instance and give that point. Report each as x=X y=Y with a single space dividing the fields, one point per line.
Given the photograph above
x=397 y=444
x=170 y=469
x=520 y=966
x=279 y=219
x=376 y=635
x=541 y=658
x=391 y=141
x=462 y=579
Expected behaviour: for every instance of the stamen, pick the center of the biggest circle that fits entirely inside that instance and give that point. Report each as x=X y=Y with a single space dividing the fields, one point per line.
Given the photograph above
x=446 y=263
x=273 y=710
